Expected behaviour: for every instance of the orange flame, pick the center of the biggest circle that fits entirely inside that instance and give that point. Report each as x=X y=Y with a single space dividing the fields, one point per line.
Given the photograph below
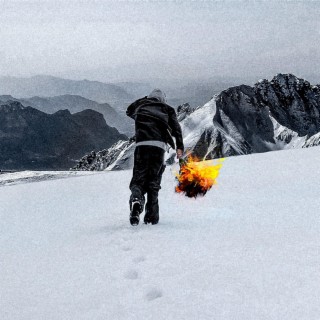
x=197 y=177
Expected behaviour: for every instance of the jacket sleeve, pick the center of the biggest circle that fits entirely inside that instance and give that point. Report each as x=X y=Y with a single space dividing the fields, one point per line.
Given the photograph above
x=131 y=110
x=176 y=128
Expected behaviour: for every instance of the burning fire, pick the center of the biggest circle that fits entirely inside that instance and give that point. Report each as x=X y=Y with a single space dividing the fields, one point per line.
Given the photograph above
x=197 y=177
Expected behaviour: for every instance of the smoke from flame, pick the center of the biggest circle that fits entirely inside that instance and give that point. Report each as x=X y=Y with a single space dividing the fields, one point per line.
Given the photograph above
x=197 y=177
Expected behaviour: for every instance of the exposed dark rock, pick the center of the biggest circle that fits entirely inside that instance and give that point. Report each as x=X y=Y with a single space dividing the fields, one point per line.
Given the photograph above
x=75 y=104
x=184 y=110
x=31 y=139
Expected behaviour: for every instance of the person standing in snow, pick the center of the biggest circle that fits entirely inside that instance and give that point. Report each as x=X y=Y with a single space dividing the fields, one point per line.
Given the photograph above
x=155 y=124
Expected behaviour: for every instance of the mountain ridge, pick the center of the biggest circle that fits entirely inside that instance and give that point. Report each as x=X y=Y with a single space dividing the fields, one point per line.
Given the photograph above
x=49 y=86
x=32 y=139
x=75 y=103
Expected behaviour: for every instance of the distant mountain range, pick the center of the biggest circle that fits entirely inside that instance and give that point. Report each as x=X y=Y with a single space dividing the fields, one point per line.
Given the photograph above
x=271 y=115
x=118 y=94
x=196 y=93
x=48 y=86
x=76 y=104
x=283 y=113
x=50 y=94
x=32 y=139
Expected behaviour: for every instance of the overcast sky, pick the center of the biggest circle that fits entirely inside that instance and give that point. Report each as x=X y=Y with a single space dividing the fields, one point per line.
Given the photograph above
x=123 y=40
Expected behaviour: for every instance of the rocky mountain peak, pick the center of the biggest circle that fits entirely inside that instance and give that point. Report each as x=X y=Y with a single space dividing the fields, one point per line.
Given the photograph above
x=283 y=87
x=184 y=110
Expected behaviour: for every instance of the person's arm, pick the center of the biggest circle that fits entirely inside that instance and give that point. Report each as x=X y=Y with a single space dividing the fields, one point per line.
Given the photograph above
x=176 y=131
x=132 y=108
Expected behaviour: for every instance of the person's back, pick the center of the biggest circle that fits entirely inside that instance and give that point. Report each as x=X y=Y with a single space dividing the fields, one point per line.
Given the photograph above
x=151 y=120
x=155 y=122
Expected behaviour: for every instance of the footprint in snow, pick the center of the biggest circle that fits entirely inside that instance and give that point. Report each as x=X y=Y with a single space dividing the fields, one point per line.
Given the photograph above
x=125 y=238
x=131 y=275
x=126 y=248
x=153 y=294
x=139 y=259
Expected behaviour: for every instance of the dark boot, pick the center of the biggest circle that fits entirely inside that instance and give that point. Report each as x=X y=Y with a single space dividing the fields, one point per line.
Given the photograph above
x=136 y=207
x=135 y=212
x=152 y=208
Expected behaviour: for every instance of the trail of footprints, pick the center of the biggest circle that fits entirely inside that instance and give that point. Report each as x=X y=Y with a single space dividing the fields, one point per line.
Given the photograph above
x=132 y=274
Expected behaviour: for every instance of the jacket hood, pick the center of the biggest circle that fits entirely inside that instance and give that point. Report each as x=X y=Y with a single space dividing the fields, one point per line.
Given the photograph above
x=158 y=94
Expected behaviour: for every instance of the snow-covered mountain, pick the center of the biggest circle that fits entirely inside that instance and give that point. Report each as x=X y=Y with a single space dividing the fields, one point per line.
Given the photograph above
x=283 y=113
x=118 y=157
x=248 y=250
x=279 y=114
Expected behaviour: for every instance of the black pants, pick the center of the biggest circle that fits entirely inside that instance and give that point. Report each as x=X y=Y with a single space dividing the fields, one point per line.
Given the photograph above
x=147 y=173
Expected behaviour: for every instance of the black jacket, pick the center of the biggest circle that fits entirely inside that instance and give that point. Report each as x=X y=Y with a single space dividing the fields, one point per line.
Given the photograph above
x=155 y=120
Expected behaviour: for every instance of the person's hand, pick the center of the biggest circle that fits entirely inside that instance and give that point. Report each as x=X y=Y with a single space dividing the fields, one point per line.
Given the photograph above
x=179 y=153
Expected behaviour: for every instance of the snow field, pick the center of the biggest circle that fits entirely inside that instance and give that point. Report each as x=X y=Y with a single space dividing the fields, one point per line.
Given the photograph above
x=36 y=176
x=248 y=250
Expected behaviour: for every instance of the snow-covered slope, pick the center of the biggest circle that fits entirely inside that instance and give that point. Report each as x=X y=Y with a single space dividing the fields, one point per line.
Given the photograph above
x=19 y=177
x=248 y=250
x=118 y=157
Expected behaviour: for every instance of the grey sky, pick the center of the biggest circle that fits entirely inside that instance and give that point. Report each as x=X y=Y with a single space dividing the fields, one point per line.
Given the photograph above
x=123 y=40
